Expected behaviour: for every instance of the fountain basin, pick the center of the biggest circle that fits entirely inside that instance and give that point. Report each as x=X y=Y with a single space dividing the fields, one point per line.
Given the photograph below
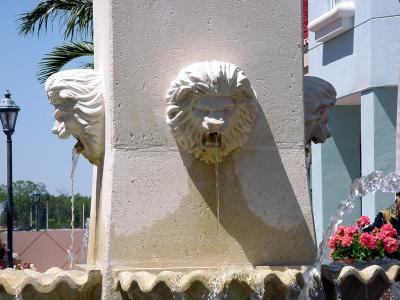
x=230 y=283
x=350 y=282
x=52 y=284
x=361 y=280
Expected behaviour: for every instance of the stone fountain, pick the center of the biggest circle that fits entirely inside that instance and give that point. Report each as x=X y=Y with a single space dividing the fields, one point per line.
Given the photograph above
x=194 y=121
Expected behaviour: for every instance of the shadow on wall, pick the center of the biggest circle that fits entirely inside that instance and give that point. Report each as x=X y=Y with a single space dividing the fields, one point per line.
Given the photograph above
x=338 y=48
x=258 y=206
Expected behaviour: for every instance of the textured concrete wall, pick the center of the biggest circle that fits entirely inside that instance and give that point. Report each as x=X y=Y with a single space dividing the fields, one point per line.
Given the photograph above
x=364 y=50
x=335 y=164
x=157 y=205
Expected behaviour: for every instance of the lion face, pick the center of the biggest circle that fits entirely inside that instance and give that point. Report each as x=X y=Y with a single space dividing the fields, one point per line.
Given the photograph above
x=79 y=110
x=214 y=115
x=319 y=97
x=211 y=109
x=319 y=128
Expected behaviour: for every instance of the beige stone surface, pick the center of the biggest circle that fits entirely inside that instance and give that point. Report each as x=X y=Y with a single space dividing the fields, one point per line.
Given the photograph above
x=266 y=283
x=52 y=284
x=176 y=222
x=155 y=203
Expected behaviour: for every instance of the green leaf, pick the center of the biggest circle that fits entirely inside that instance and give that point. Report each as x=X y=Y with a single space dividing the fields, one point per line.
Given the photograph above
x=75 y=15
x=54 y=61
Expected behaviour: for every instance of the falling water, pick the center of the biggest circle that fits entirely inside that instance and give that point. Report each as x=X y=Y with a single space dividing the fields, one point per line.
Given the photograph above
x=219 y=286
x=217 y=181
x=18 y=296
x=338 y=292
x=71 y=255
x=359 y=188
x=18 y=293
x=85 y=241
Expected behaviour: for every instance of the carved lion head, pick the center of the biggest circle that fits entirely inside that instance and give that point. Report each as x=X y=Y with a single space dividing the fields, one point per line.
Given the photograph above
x=319 y=97
x=211 y=108
x=79 y=110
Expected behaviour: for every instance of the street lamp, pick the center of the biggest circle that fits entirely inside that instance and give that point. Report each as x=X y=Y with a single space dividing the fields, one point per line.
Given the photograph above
x=8 y=116
x=36 y=200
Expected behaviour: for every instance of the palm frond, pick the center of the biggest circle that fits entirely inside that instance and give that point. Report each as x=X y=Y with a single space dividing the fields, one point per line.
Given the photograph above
x=75 y=15
x=87 y=66
x=61 y=55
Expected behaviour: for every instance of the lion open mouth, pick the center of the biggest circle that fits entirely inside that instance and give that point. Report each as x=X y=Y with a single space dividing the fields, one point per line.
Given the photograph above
x=211 y=140
x=79 y=146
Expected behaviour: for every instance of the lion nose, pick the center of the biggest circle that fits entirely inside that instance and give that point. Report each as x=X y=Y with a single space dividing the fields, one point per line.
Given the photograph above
x=213 y=124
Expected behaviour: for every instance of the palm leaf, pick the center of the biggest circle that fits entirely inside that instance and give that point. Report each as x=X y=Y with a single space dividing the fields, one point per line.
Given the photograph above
x=61 y=55
x=75 y=15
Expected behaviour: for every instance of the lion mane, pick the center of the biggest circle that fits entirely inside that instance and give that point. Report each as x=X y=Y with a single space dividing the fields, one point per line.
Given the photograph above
x=319 y=97
x=79 y=110
x=206 y=79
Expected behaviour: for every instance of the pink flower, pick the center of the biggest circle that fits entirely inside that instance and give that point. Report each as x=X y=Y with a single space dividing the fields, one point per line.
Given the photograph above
x=340 y=230
x=335 y=239
x=346 y=240
x=388 y=230
x=368 y=240
x=390 y=244
x=351 y=230
x=380 y=235
x=363 y=221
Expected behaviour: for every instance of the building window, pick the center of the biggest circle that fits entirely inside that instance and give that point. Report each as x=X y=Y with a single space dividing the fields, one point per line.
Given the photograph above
x=335 y=2
x=338 y=19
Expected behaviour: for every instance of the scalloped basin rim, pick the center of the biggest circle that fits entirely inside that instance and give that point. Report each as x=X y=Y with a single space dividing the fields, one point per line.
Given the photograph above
x=211 y=269
x=215 y=279
x=14 y=281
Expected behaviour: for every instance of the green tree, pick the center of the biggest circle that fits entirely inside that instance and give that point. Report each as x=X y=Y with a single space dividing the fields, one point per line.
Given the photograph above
x=60 y=210
x=22 y=192
x=59 y=206
x=76 y=17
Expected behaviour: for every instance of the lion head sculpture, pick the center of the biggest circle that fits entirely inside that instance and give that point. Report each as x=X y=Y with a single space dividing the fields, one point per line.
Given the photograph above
x=211 y=109
x=79 y=110
x=319 y=97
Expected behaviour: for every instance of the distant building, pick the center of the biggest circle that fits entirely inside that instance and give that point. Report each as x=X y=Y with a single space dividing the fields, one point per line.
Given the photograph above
x=355 y=45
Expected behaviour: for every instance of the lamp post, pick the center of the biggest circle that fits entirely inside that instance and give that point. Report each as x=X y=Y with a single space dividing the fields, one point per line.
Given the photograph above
x=47 y=212
x=36 y=200
x=8 y=116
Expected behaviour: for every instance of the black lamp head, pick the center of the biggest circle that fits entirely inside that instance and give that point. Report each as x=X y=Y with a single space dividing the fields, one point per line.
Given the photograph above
x=8 y=113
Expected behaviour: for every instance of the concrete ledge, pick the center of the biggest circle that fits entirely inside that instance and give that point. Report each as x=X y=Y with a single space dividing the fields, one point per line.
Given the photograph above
x=52 y=284
x=234 y=283
x=333 y=23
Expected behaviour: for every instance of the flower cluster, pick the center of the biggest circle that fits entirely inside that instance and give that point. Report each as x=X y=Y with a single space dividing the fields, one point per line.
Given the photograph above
x=354 y=242
x=25 y=266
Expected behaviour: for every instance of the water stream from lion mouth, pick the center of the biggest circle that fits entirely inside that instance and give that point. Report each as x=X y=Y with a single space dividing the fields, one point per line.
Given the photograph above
x=70 y=251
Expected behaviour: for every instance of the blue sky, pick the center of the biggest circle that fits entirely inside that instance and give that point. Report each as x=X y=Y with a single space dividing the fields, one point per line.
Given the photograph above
x=38 y=155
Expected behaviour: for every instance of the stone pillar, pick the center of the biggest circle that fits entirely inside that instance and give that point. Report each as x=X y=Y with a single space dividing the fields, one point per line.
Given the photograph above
x=378 y=141
x=156 y=203
x=335 y=164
